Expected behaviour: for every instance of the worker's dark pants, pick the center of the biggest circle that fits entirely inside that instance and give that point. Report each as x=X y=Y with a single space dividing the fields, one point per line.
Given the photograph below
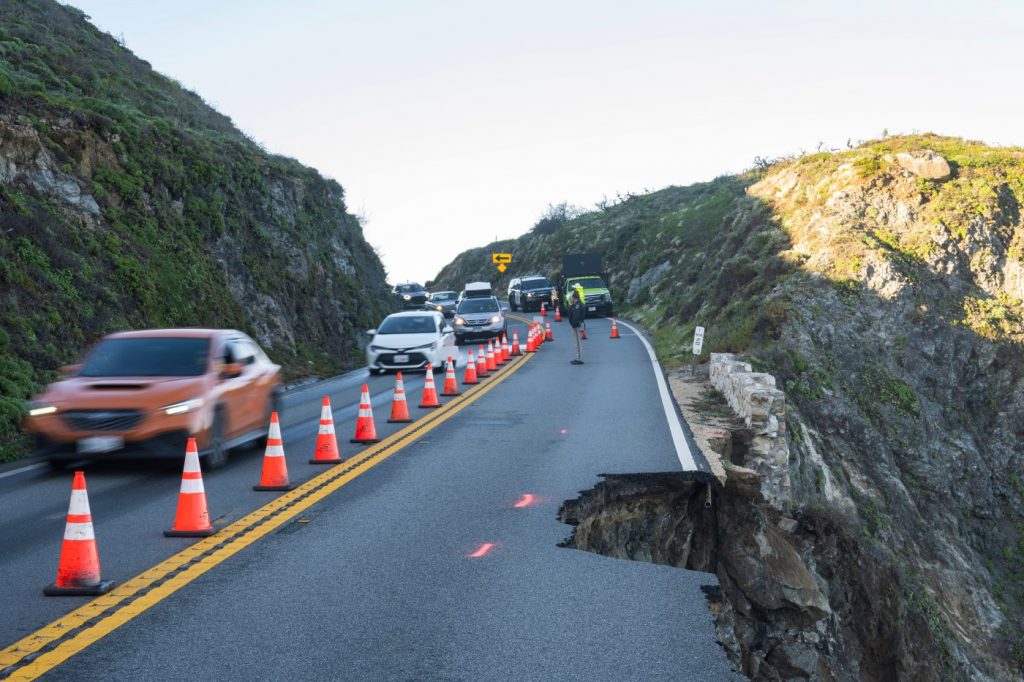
x=579 y=350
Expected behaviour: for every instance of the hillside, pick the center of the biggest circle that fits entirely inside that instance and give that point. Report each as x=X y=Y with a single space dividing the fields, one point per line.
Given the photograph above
x=882 y=286
x=127 y=202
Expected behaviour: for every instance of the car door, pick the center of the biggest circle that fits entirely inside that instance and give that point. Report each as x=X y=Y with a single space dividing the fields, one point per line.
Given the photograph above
x=245 y=406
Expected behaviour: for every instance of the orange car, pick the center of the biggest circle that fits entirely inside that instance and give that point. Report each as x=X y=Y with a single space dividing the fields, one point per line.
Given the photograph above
x=143 y=393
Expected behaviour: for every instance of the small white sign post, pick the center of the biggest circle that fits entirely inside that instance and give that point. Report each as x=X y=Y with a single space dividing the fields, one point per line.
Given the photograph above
x=698 y=341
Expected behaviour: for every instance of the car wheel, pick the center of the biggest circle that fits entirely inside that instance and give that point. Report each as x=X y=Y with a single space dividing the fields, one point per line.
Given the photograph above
x=217 y=451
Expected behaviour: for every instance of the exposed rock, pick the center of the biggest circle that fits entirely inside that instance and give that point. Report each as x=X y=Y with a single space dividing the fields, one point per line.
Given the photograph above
x=925 y=164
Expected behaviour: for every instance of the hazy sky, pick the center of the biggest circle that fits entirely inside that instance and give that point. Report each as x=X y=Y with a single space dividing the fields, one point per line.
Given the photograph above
x=452 y=123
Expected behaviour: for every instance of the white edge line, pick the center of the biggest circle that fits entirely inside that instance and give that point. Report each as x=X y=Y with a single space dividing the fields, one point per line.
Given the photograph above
x=12 y=472
x=674 y=427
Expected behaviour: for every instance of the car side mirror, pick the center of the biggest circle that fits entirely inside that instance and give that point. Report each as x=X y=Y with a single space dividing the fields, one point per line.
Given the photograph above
x=230 y=370
x=448 y=329
x=70 y=370
x=371 y=332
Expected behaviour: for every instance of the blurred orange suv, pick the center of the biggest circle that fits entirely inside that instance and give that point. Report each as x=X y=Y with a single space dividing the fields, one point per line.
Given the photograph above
x=144 y=393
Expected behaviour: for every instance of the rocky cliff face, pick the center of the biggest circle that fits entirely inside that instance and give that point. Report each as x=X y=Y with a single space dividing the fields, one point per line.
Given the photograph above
x=126 y=202
x=882 y=288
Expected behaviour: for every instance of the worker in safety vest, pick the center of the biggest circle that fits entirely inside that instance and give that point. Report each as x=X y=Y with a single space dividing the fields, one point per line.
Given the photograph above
x=577 y=313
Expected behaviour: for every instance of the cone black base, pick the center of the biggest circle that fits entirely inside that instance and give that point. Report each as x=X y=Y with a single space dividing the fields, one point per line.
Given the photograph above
x=326 y=461
x=364 y=441
x=428 y=407
x=85 y=591
x=397 y=421
x=190 y=533
x=450 y=395
x=290 y=486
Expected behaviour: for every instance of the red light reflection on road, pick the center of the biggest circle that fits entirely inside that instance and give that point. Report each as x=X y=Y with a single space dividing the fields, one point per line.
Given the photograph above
x=525 y=501
x=482 y=550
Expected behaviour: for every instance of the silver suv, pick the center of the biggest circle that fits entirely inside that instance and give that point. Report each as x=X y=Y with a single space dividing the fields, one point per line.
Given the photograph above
x=478 y=317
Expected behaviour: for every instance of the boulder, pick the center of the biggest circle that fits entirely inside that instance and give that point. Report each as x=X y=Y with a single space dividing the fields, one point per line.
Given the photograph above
x=925 y=164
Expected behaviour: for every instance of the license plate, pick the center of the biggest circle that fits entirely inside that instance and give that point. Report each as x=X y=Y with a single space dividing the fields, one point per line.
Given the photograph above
x=95 y=444
x=399 y=359
x=591 y=308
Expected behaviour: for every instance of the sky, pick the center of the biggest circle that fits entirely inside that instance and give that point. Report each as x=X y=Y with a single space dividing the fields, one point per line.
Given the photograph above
x=451 y=124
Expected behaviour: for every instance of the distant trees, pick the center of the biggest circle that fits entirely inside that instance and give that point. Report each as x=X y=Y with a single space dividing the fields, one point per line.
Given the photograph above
x=556 y=215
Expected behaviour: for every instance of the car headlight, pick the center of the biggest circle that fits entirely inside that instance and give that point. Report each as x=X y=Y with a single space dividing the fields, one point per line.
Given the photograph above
x=40 y=409
x=496 y=319
x=439 y=308
x=184 y=407
x=459 y=320
x=407 y=297
x=529 y=294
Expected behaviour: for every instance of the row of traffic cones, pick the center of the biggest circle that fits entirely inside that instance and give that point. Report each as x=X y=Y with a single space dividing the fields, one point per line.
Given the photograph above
x=78 y=571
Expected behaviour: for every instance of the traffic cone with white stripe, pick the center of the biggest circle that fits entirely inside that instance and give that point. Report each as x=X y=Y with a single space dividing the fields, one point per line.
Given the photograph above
x=506 y=355
x=366 y=431
x=583 y=331
x=326 y=440
x=558 y=313
x=492 y=364
x=275 y=470
x=481 y=363
x=499 y=357
x=451 y=384
x=192 y=520
x=531 y=344
x=615 y=329
x=399 y=405
x=78 y=572
x=547 y=334
x=543 y=309
x=429 y=390
x=516 y=350
x=470 y=376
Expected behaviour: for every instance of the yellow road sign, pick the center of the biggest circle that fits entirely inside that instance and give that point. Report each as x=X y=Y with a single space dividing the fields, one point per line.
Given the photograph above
x=502 y=260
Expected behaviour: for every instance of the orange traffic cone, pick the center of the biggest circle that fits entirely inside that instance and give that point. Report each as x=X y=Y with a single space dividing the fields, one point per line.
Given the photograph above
x=539 y=334
x=470 y=375
x=429 y=390
x=583 y=331
x=506 y=354
x=558 y=314
x=192 y=519
x=366 y=431
x=451 y=384
x=499 y=356
x=492 y=364
x=544 y=309
x=326 y=440
x=481 y=364
x=615 y=329
x=78 y=572
x=547 y=332
x=275 y=469
x=531 y=346
x=516 y=350
x=399 y=406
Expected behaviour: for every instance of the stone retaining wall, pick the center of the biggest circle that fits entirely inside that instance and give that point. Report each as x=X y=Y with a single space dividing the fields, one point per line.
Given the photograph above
x=755 y=399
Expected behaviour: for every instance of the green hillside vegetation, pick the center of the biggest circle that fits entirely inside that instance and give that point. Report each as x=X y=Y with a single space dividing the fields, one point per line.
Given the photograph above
x=887 y=302
x=192 y=223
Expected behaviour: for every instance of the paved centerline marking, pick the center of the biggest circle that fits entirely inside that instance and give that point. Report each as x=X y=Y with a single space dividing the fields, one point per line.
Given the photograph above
x=19 y=470
x=75 y=631
x=671 y=416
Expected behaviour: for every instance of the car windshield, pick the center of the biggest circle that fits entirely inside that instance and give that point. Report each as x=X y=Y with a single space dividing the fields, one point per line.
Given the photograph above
x=410 y=288
x=408 y=325
x=443 y=296
x=589 y=283
x=479 y=305
x=540 y=283
x=148 y=357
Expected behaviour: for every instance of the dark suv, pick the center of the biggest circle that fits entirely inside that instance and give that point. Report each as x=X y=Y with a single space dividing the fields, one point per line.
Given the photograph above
x=410 y=295
x=528 y=292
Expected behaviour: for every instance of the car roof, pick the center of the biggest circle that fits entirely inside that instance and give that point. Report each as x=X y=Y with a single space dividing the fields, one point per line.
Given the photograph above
x=184 y=333
x=415 y=313
x=446 y=291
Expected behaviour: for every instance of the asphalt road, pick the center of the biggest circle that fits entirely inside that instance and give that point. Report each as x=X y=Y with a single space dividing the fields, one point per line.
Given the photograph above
x=423 y=567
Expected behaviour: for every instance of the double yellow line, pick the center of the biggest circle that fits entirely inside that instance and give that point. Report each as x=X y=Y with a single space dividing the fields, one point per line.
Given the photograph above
x=75 y=631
